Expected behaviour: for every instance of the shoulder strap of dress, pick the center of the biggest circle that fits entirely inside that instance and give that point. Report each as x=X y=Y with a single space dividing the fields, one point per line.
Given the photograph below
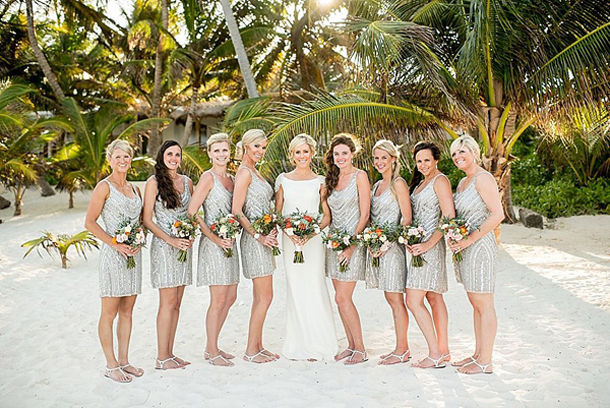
x=278 y=181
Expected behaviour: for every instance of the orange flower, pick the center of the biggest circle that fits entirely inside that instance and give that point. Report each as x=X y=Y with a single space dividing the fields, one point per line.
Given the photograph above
x=463 y=230
x=267 y=218
x=114 y=240
x=177 y=224
x=302 y=226
x=307 y=218
x=334 y=244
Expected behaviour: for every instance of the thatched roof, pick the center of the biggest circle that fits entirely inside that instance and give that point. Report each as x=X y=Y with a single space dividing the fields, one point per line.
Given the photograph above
x=211 y=109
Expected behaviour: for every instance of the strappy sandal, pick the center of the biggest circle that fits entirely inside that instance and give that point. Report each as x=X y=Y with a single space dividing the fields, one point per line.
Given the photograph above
x=482 y=367
x=212 y=360
x=161 y=364
x=109 y=371
x=461 y=363
x=401 y=358
x=250 y=358
x=182 y=361
x=137 y=372
x=350 y=360
x=228 y=356
x=438 y=363
x=270 y=354
x=351 y=352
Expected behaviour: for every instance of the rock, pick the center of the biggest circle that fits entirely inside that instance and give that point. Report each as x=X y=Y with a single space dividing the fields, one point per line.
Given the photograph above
x=45 y=188
x=4 y=203
x=531 y=219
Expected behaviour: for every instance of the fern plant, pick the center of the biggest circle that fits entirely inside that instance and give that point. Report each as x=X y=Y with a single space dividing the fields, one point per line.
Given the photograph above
x=61 y=243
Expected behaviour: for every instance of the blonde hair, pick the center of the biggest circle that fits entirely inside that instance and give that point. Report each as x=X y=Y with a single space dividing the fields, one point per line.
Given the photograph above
x=119 y=144
x=217 y=138
x=470 y=144
x=251 y=136
x=299 y=140
x=390 y=148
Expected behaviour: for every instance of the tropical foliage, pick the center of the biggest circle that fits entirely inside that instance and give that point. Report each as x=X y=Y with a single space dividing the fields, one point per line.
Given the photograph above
x=61 y=244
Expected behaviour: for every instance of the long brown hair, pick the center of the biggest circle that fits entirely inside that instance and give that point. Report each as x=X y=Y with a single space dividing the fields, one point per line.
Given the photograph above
x=165 y=185
x=332 y=173
x=417 y=176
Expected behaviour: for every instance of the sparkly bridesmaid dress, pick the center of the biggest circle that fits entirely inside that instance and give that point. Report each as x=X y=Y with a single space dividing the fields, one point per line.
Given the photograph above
x=345 y=211
x=214 y=268
x=115 y=279
x=257 y=259
x=477 y=270
x=391 y=275
x=165 y=270
x=432 y=276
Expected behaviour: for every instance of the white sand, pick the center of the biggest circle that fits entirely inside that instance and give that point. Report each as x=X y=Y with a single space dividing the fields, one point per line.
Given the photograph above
x=553 y=303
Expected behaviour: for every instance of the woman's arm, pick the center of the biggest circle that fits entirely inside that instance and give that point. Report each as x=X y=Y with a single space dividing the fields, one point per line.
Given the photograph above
x=404 y=200
x=364 y=201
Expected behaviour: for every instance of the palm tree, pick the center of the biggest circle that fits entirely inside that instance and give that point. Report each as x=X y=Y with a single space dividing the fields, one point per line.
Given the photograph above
x=61 y=243
x=491 y=67
x=22 y=134
x=92 y=132
x=242 y=56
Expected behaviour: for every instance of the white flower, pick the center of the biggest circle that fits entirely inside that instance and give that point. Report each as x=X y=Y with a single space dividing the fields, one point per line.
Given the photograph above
x=316 y=229
x=223 y=229
x=346 y=240
x=290 y=231
x=383 y=238
x=127 y=229
x=401 y=240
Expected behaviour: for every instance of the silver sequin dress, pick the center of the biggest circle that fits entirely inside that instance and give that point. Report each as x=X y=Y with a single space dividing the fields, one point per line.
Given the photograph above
x=477 y=270
x=214 y=268
x=115 y=279
x=391 y=275
x=432 y=277
x=165 y=270
x=345 y=213
x=257 y=260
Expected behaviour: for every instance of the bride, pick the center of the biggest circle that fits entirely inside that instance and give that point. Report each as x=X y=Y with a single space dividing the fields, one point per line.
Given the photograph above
x=310 y=328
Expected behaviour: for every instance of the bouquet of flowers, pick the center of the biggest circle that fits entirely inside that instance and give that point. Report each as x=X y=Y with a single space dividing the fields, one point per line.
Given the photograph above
x=455 y=229
x=186 y=228
x=226 y=227
x=410 y=235
x=267 y=223
x=301 y=225
x=377 y=238
x=338 y=241
x=130 y=233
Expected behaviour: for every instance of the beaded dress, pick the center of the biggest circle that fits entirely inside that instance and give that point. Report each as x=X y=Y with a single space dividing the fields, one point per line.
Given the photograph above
x=391 y=275
x=345 y=212
x=432 y=276
x=165 y=270
x=477 y=270
x=115 y=279
x=214 y=268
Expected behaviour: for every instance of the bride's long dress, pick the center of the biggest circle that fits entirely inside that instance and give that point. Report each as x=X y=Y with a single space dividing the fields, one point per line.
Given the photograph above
x=310 y=327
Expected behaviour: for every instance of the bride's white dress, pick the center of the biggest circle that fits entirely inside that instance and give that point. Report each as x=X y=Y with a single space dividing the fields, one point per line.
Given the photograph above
x=310 y=327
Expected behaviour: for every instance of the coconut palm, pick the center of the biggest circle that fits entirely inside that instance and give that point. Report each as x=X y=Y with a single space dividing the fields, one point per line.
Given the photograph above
x=493 y=67
x=61 y=243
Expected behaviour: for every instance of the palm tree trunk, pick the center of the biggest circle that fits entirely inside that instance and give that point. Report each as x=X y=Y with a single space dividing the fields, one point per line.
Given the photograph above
x=18 y=192
x=40 y=58
x=71 y=201
x=64 y=261
x=188 y=127
x=155 y=136
x=242 y=57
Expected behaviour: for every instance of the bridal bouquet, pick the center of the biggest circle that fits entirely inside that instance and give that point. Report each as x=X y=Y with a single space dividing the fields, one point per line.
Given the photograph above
x=129 y=233
x=377 y=238
x=187 y=228
x=410 y=235
x=301 y=225
x=455 y=229
x=226 y=227
x=266 y=224
x=338 y=241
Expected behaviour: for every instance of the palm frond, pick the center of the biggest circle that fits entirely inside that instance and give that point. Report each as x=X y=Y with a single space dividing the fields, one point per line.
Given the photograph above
x=194 y=162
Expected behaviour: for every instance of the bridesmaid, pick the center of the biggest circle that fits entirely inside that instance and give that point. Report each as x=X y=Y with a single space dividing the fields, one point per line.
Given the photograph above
x=166 y=197
x=310 y=327
x=431 y=198
x=115 y=199
x=477 y=200
x=251 y=199
x=348 y=195
x=221 y=274
x=390 y=205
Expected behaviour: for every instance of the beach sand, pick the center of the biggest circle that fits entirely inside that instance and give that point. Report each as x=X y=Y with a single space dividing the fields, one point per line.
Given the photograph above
x=552 y=300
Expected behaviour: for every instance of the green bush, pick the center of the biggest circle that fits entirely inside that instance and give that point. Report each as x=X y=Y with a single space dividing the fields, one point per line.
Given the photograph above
x=563 y=198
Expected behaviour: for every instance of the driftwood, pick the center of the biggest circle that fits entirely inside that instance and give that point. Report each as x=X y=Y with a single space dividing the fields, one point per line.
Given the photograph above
x=531 y=219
